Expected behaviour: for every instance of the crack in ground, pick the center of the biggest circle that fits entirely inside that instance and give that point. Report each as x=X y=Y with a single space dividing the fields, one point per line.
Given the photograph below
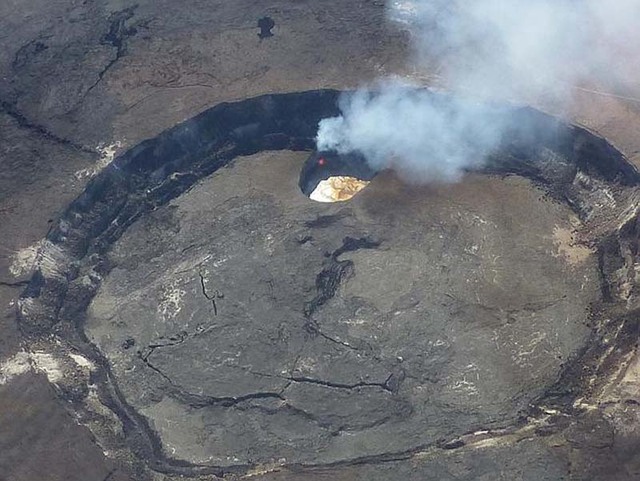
x=117 y=37
x=350 y=244
x=338 y=385
x=329 y=279
x=200 y=400
x=313 y=328
x=146 y=353
x=391 y=383
x=25 y=123
x=14 y=284
x=203 y=400
x=211 y=298
x=144 y=357
x=110 y=475
x=295 y=411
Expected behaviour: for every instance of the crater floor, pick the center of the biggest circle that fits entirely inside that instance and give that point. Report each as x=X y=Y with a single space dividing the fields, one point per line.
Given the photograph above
x=250 y=324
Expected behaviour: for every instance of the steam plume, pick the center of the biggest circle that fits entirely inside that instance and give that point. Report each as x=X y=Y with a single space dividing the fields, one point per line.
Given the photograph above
x=523 y=50
x=422 y=136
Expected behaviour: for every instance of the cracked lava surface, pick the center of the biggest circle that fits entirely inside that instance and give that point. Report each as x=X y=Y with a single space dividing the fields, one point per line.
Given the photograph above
x=412 y=314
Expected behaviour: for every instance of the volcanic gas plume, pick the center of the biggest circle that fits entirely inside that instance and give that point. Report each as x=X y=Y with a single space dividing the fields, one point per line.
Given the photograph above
x=522 y=51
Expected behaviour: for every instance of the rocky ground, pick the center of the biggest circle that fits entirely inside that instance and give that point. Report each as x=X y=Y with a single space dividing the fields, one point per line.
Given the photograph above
x=477 y=331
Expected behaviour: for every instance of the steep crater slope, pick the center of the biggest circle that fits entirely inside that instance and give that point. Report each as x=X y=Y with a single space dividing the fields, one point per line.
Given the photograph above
x=242 y=324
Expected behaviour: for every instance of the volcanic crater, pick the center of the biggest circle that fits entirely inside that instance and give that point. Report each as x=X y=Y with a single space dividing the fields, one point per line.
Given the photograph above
x=230 y=322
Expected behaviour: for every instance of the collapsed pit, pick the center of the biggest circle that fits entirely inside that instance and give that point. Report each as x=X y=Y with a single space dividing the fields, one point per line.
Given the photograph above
x=312 y=333
x=327 y=176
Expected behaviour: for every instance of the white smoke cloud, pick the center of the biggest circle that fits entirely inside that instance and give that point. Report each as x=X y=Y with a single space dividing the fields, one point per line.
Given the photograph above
x=522 y=50
x=422 y=136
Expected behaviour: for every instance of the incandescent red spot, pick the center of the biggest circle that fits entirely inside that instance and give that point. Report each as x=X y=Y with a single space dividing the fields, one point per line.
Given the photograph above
x=321 y=161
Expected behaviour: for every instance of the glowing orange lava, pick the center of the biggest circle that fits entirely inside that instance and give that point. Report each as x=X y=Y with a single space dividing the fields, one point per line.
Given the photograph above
x=338 y=189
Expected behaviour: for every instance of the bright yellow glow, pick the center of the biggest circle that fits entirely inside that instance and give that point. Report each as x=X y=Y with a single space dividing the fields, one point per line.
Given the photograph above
x=338 y=189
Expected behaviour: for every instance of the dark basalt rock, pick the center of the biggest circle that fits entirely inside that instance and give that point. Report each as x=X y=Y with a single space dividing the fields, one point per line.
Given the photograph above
x=265 y=24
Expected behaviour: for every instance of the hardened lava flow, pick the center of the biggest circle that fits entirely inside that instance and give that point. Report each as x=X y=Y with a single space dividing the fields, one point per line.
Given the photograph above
x=229 y=325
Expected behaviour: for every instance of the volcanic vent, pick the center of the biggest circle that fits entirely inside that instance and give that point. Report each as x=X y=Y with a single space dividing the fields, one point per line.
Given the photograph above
x=232 y=324
x=330 y=177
